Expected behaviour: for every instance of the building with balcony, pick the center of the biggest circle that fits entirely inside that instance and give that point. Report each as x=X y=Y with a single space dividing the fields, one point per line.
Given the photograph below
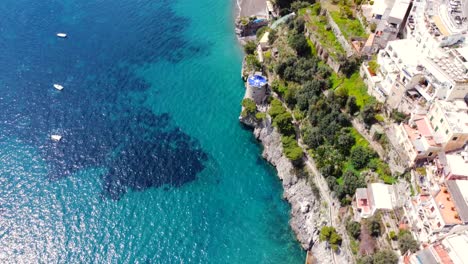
x=417 y=139
x=450 y=123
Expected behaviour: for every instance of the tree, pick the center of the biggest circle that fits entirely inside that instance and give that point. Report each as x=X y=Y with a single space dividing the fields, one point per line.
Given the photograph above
x=351 y=105
x=406 y=243
x=329 y=234
x=368 y=114
x=299 y=43
x=398 y=116
x=250 y=47
x=360 y=156
x=252 y=62
x=249 y=107
x=354 y=229
x=385 y=256
x=373 y=225
x=366 y=260
x=345 y=141
x=284 y=123
x=291 y=149
x=346 y=12
x=299 y=24
x=312 y=137
x=348 y=66
x=351 y=182
x=373 y=27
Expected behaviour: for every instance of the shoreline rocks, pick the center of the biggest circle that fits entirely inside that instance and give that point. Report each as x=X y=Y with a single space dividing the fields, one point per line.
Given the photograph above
x=306 y=218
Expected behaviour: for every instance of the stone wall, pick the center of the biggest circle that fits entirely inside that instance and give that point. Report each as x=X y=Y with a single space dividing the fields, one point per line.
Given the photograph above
x=323 y=53
x=339 y=36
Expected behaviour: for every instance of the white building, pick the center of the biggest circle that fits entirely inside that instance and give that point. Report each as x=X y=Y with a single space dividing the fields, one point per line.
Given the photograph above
x=450 y=123
x=377 y=196
x=452 y=249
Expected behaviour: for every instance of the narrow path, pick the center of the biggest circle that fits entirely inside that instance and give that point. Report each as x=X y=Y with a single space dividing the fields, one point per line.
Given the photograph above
x=325 y=192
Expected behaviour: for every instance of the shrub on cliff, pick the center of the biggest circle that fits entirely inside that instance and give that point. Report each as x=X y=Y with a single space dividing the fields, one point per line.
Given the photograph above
x=252 y=63
x=291 y=149
x=329 y=234
x=284 y=124
x=276 y=108
x=249 y=107
x=250 y=47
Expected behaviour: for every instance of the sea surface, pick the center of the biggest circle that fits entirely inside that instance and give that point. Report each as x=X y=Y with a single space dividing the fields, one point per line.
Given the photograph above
x=153 y=165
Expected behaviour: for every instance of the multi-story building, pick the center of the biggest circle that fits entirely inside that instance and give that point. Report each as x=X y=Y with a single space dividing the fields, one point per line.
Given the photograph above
x=450 y=250
x=432 y=217
x=444 y=128
x=417 y=139
x=450 y=123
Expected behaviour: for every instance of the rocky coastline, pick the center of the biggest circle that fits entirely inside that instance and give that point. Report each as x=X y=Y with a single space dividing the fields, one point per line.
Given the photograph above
x=307 y=216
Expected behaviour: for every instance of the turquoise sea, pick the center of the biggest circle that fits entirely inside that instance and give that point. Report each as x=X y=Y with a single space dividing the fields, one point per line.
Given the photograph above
x=153 y=165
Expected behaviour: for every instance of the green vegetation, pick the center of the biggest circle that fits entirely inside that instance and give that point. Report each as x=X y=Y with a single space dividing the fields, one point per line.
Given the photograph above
x=354 y=229
x=260 y=116
x=398 y=116
x=355 y=87
x=385 y=256
x=360 y=156
x=249 y=107
x=406 y=242
x=373 y=27
x=349 y=26
x=340 y=152
x=373 y=66
x=252 y=63
x=373 y=225
x=319 y=26
x=261 y=31
x=291 y=149
x=299 y=43
x=250 y=47
x=329 y=234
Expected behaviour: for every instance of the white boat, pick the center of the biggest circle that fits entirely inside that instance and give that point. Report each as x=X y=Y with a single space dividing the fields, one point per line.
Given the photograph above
x=58 y=87
x=61 y=35
x=56 y=137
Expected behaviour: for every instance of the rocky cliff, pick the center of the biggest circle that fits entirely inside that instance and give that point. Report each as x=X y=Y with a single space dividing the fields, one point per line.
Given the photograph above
x=306 y=217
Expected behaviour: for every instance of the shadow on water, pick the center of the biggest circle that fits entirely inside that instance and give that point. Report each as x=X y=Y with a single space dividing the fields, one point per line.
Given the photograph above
x=101 y=123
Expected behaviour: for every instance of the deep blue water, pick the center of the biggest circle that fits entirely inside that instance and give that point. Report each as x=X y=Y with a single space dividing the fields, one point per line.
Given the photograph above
x=153 y=165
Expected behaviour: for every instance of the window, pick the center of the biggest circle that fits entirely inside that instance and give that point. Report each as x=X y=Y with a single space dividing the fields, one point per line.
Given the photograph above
x=454 y=138
x=430 y=154
x=437 y=128
x=441 y=120
x=446 y=131
x=431 y=118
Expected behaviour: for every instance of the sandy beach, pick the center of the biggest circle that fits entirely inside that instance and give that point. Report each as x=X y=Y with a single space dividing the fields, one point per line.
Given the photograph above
x=251 y=7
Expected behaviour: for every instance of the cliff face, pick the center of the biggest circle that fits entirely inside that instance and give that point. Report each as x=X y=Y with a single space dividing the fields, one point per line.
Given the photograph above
x=305 y=208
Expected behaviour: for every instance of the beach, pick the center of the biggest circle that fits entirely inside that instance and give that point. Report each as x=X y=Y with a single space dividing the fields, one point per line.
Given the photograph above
x=251 y=8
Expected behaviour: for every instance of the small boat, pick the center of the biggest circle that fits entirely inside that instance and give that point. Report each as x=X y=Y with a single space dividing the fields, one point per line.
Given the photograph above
x=56 y=137
x=61 y=35
x=58 y=87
